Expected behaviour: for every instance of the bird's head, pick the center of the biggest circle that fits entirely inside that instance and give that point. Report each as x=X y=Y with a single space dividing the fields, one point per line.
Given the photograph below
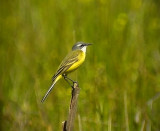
x=81 y=46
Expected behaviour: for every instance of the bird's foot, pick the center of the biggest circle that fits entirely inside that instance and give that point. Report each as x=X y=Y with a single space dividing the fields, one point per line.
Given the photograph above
x=66 y=78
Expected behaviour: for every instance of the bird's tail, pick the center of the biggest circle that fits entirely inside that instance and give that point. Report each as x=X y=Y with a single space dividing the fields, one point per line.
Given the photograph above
x=51 y=87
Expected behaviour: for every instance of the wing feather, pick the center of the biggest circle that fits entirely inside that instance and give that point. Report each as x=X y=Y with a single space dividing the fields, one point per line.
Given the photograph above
x=68 y=61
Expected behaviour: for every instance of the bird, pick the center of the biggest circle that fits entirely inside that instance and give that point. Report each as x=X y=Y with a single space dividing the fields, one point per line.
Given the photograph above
x=70 y=63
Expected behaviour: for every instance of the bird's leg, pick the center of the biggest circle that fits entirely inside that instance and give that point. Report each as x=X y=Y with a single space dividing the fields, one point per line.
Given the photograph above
x=66 y=78
x=68 y=82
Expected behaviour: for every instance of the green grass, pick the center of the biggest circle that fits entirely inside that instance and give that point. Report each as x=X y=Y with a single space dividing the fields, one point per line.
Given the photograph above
x=119 y=81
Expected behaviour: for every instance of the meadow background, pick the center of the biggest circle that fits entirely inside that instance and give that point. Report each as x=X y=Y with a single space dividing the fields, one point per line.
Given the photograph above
x=119 y=81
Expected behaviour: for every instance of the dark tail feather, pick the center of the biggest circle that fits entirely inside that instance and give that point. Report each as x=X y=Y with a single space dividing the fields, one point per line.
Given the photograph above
x=48 y=91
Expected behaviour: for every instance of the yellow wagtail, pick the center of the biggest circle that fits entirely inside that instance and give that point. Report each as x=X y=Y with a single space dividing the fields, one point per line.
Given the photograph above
x=70 y=63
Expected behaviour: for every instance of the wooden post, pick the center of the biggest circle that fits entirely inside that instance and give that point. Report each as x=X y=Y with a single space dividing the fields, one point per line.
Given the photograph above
x=68 y=124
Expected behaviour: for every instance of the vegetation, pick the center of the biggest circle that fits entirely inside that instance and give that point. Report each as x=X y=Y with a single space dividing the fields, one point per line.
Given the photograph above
x=119 y=81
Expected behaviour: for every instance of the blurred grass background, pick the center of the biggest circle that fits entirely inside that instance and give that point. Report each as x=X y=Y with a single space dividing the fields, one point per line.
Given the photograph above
x=119 y=81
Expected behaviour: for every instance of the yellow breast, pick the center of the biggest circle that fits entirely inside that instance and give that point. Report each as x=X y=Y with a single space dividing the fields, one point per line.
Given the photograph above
x=81 y=58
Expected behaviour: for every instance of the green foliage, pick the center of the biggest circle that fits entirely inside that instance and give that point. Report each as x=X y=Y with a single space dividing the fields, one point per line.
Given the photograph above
x=119 y=81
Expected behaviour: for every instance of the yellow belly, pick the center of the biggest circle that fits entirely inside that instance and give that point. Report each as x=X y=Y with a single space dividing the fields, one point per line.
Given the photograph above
x=81 y=59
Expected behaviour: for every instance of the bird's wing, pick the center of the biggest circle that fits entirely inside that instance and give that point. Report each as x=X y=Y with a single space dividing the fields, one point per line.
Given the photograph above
x=68 y=61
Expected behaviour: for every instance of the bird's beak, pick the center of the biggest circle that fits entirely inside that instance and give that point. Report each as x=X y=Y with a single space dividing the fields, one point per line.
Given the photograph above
x=88 y=44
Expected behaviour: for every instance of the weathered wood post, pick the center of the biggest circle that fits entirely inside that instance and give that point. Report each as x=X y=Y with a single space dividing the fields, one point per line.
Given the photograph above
x=68 y=124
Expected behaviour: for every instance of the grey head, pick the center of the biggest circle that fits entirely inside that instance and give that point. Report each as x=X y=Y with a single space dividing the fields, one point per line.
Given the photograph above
x=80 y=46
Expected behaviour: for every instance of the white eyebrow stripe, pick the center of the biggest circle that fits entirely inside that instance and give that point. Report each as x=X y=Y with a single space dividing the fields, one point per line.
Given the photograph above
x=79 y=44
